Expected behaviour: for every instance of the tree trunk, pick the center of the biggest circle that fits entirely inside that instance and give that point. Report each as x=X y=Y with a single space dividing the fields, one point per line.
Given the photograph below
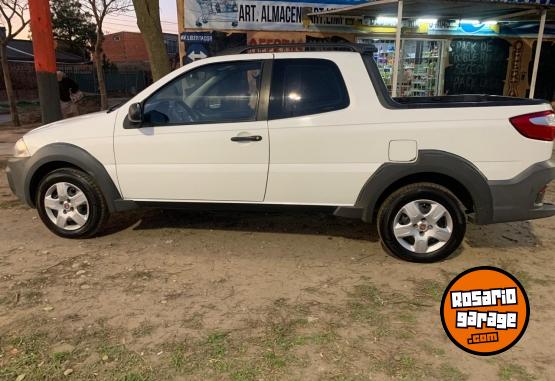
x=148 y=20
x=8 y=84
x=98 y=64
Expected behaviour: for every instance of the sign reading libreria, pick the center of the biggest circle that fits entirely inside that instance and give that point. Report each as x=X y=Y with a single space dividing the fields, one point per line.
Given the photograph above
x=266 y=14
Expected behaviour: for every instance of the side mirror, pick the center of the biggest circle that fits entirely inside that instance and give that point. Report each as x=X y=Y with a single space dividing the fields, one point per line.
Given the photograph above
x=135 y=114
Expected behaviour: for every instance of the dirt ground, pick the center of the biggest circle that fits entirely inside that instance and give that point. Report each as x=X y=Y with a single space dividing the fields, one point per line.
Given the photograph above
x=188 y=295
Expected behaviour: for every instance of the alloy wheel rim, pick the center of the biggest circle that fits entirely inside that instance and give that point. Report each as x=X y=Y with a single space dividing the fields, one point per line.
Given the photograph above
x=423 y=226
x=66 y=206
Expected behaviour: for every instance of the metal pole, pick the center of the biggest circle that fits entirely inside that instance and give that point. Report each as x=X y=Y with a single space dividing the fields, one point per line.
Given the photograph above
x=45 y=60
x=181 y=29
x=538 y=52
x=397 y=57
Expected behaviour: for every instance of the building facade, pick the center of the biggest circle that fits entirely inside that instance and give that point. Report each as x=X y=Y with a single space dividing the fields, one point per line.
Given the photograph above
x=128 y=48
x=437 y=56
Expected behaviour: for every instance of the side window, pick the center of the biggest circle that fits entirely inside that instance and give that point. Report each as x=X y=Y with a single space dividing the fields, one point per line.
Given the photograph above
x=215 y=93
x=306 y=86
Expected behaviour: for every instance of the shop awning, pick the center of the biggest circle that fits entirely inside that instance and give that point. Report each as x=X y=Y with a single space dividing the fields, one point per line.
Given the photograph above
x=443 y=9
x=450 y=9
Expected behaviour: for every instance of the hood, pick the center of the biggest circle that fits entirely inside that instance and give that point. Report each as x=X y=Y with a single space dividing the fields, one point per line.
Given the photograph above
x=78 y=120
x=97 y=125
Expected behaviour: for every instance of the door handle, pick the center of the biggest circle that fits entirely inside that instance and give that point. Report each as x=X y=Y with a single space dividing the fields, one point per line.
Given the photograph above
x=253 y=138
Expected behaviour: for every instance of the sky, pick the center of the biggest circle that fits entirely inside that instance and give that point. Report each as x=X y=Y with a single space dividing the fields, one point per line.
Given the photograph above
x=128 y=21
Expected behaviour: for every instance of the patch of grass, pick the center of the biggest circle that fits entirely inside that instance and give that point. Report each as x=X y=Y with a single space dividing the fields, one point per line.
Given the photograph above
x=244 y=374
x=403 y=367
x=431 y=349
x=368 y=294
x=447 y=372
x=33 y=343
x=515 y=372
x=31 y=297
x=528 y=279
x=367 y=305
x=60 y=357
x=98 y=333
x=177 y=357
x=281 y=334
x=209 y=353
x=273 y=360
x=11 y=204
x=134 y=376
x=318 y=338
x=383 y=329
x=115 y=352
x=407 y=317
x=216 y=344
x=404 y=334
x=427 y=289
x=141 y=274
x=39 y=281
x=121 y=364
x=29 y=355
x=363 y=312
x=311 y=290
x=145 y=328
x=193 y=322
x=342 y=377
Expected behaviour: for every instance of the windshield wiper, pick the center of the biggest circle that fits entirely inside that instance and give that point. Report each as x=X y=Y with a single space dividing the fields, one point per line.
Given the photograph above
x=115 y=107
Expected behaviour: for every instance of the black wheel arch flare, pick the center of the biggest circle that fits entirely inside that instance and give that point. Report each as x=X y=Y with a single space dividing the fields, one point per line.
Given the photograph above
x=430 y=163
x=60 y=155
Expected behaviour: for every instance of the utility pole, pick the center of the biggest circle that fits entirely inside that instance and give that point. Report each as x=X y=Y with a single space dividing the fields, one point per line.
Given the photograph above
x=45 y=60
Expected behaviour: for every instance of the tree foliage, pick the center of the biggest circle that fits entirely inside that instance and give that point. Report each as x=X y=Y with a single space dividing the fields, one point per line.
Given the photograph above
x=99 y=10
x=73 y=26
x=14 y=19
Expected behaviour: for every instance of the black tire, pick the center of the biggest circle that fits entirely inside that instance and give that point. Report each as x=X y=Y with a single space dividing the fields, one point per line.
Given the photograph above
x=393 y=205
x=96 y=205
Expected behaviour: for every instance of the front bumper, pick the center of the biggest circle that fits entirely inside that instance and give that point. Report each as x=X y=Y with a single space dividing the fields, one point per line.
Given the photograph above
x=516 y=199
x=16 y=170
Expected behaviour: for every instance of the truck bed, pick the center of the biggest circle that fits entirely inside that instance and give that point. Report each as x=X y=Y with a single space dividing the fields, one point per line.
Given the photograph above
x=445 y=101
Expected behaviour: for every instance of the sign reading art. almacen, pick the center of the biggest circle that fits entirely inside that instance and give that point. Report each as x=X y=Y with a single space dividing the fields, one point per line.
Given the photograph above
x=485 y=311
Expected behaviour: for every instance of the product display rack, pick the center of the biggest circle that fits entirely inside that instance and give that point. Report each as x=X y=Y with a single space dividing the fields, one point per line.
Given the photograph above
x=421 y=67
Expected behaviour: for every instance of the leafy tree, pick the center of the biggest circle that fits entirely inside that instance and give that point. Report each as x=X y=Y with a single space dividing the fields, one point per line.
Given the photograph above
x=73 y=26
x=99 y=10
x=13 y=19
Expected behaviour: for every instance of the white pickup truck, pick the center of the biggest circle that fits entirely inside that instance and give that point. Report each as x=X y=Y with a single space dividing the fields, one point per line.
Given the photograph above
x=313 y=127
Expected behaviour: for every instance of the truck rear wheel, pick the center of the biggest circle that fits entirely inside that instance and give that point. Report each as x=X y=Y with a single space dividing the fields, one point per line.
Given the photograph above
x=70 y=203
x=422 y=222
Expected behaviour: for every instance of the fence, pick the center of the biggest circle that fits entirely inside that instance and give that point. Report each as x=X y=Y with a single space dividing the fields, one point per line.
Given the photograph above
x=119 y=83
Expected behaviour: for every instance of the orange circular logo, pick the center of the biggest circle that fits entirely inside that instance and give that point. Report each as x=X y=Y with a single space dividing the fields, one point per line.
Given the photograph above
x=485 y=310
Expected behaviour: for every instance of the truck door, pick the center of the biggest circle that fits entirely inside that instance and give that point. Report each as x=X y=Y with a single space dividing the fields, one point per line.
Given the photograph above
x=201 y=138
x=318 y=155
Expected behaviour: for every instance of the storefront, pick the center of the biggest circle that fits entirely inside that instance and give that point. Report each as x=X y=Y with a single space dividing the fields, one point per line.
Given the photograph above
x=422 y=64
x=437 y=55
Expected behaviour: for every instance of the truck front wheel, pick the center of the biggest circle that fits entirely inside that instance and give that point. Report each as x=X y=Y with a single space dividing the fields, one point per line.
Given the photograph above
x=70 y=203
x=422 y=222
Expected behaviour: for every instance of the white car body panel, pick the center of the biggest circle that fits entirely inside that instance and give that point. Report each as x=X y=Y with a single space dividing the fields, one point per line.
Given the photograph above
x=196 y=162
x=92 y=132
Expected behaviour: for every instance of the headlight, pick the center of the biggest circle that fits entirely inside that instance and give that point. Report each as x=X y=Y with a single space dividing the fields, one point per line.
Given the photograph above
x=20 y=149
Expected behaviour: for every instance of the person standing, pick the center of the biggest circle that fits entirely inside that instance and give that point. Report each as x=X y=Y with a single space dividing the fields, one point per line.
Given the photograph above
x=69 y=95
